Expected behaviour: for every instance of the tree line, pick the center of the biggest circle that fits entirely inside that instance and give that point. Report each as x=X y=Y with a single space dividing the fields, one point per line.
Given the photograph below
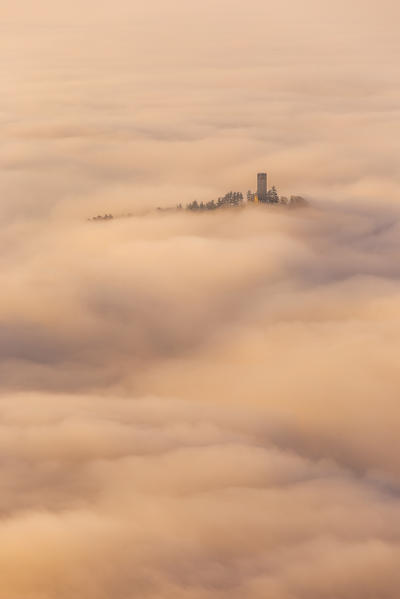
x=229 y=200
x=235 y=199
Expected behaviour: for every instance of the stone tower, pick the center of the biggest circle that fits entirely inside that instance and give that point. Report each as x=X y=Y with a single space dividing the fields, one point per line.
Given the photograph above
x=262 y=187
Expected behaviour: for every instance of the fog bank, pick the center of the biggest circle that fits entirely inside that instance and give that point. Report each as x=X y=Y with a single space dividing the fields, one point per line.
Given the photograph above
x=199 y=406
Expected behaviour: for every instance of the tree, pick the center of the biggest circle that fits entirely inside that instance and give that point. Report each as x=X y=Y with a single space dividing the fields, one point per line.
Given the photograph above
x=272 y=196
x=193 y=206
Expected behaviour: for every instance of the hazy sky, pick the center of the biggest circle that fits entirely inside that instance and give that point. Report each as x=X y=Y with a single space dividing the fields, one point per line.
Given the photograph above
x=199 y=406
x=115 y=105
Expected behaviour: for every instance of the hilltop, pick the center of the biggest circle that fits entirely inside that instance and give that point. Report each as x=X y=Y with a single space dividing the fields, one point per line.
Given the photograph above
x=232 y=199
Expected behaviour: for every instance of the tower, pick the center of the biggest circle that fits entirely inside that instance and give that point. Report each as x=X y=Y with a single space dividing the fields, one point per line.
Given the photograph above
x=262 y=187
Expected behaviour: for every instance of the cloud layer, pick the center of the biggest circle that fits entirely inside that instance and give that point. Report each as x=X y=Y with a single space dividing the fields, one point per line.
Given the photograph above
x=202 y=406
x=199 y=406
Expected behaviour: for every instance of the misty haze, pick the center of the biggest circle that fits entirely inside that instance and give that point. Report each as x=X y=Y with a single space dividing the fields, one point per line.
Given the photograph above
x=200 y=300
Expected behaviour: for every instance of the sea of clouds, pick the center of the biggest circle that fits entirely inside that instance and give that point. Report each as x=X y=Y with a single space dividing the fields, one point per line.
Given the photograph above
x=199 y=406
